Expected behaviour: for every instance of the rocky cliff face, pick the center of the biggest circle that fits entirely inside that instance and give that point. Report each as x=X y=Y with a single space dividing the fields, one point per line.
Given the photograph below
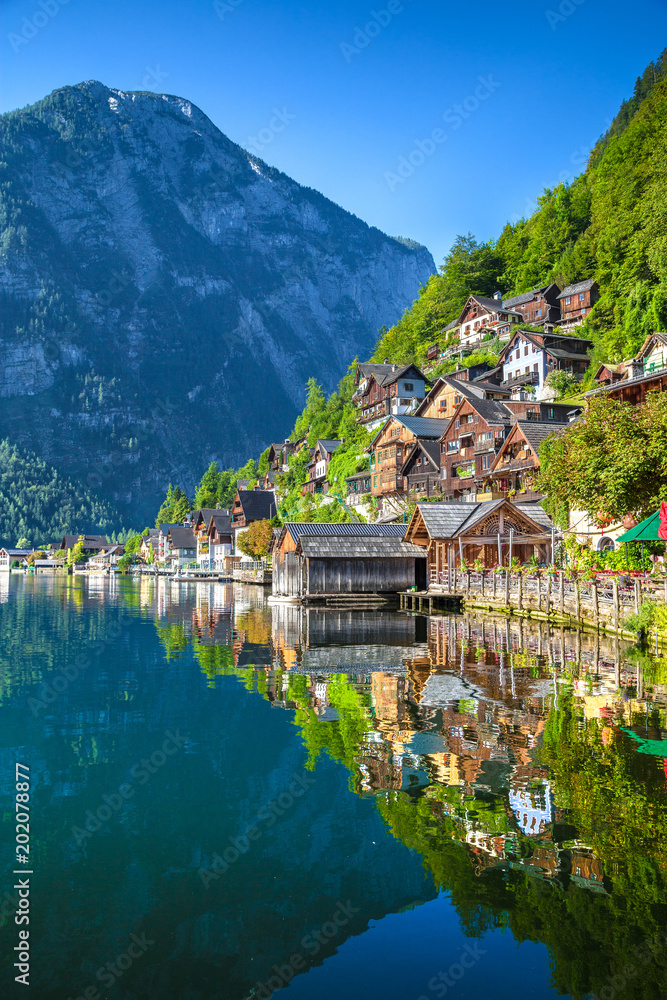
x=164 y=295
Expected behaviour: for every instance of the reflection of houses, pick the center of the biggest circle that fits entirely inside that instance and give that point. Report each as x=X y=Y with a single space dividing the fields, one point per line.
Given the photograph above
x=450 y=532
x=533 y=808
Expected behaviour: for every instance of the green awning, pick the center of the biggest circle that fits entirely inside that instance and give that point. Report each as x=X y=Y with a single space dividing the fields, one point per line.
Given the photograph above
x=645 y=531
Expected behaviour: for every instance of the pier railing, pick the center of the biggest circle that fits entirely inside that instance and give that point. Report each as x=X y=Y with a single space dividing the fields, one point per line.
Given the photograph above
x=602 y=601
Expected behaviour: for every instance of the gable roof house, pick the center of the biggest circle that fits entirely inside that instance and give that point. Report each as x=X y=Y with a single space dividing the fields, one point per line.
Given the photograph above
x=385 y=390
x=529 y=358
x=314 y=560
x=421 y=469
x=481 y=316
x=518 y=460
x=8 y=556
x=477 y=530
x=91 y=543
x=632 y=380
x=469 y=445
x=249 y=506
x=319 y=466
x=391 y=446
x=182 y=545
x=576 y=302
x=538 y=306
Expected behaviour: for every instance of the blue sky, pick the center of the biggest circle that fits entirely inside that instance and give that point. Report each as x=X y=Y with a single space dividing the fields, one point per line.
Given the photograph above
x=361 y=87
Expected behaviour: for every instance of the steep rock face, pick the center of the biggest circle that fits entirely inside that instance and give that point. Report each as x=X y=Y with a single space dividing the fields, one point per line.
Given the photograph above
x=164 y=295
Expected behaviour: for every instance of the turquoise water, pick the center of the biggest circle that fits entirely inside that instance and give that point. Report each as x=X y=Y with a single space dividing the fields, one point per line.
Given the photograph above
x=230 y=799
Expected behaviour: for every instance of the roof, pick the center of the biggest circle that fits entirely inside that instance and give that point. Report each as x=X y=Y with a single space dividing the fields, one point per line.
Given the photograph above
x=359 y=547
x=222 y=522
x=329 y=444
x=258 y=505
x=450 y=326
x=166 y=528
x=358 y=475
x=535 y=431
x=519 y=300
x=203 y=513
x=152 y=533
x=387 y=374
x=537 y=513
x=490 y=410
x=448 y=520
x=89 y=541
x=421 y=427
x=18 y=552
x=298 y=529
x=580 y=286
x=430 y=448
x=645 y=531
x=182 y=538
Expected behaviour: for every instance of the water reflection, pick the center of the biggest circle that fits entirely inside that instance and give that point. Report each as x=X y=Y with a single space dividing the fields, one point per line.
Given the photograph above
x=516 y=767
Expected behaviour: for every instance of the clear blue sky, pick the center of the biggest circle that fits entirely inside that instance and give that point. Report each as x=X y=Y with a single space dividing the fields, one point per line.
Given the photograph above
x=355 y=104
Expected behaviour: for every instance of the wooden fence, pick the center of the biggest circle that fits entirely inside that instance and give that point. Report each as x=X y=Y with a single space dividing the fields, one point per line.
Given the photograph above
x=603 y=603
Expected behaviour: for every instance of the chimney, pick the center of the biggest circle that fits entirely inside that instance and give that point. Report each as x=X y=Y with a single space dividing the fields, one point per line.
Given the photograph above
x=498 y=295
x=386 y=361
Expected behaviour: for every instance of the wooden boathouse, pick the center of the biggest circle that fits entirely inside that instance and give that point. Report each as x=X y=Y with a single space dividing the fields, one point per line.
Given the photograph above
x=315 y=562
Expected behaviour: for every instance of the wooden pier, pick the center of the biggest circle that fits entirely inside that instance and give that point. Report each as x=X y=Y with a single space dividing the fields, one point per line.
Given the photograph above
x=428 y=601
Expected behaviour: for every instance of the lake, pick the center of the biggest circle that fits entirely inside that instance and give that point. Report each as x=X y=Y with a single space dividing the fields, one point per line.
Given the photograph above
x=231 y=800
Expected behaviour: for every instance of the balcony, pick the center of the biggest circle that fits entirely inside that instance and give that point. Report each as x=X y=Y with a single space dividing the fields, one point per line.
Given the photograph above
x=492 y=445
x=528 y=378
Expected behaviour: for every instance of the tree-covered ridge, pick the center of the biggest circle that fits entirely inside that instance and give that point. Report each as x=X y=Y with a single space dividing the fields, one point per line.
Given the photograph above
x=609 y=224
x=39 y=505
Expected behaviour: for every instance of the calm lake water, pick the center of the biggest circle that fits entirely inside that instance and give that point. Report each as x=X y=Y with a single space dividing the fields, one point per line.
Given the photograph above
x=229 y=799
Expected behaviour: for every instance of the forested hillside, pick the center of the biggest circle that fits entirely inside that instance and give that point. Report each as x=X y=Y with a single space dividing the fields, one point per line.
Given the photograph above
x=609 y=224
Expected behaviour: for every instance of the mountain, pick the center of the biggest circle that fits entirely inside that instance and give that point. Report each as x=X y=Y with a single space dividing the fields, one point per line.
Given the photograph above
x=609 y=224
x=165 y=295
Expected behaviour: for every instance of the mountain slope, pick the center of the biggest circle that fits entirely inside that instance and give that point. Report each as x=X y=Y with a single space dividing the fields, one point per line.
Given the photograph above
x=609 y=224
x=164 y=295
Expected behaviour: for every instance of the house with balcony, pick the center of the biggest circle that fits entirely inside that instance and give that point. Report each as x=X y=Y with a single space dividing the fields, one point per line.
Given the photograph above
x=182 y=546
x=387 y=390
x=481 y=316
x=517 y=463
x=391 y=446
x=318 y=469
x=421 y=470
x=249 y=506
x=538 y=306
x=530 y=357
x=448 y=391
x=220 y=541
x=636 y=377
x=469 y=445
x=576 y=302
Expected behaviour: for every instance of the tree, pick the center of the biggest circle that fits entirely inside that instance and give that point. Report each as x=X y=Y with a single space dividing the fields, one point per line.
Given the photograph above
x=612 y=461
x=23 y=543
x=175 y=507
x=561 y=382
x=75 y=554
x=256 y=540
x=206 y=495
x=124 y=563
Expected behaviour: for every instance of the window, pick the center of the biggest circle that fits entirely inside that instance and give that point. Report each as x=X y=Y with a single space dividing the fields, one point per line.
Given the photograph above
x=375 y=480
x=409 y=386
x=456 y=423
x=535 y=367
x=476 y=418
x=486 y=462
x=527 y=369
x=525 y=351
x=539 y=313
x=551 y=413
x=582 y=296
x=470 y=418
x=568 y=300
x=457 y=400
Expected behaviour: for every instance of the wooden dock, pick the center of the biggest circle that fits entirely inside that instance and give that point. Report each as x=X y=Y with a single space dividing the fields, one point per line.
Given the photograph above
x=428 y=601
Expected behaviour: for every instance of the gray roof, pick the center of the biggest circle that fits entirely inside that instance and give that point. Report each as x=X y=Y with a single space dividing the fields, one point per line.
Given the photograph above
x=298 y=529
x=520 y=300
x=222 y=522
x=423 y=427
x=537 y=512
x=258 y=505
x=450 y=326
x=328 y=444
x=535 y=431
x=387 y=374
x=182 y=538
x=448 y=520
x=429 y=448
x=361 y=547
x=491 y=410
x=580 y=286
x=358 y=475
x=165 y=528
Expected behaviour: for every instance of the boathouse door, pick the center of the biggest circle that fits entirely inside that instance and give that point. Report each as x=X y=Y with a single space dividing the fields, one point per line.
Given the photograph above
x=420 y=574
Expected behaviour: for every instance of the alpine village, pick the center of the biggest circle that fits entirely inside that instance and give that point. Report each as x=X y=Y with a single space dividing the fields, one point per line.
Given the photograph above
x=503 y=449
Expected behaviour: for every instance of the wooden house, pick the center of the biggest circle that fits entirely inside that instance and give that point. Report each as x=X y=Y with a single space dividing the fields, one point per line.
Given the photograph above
x=481 y=316
x=539 y=306
x=358 y=486
x=220 y=539
x=385 y=390
x=421 y=470
x=451 y=531
x=469 y=445
x=576 y=302
x=449 y=390
x=638 y=376
x=182 y=546
x=149 y=548
x=249 y=506
x=314 y=560
x=390 y=448
x=517 y=463
x=268 y=480
x=529 y=358
x=319 y=466
x=91 y=543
